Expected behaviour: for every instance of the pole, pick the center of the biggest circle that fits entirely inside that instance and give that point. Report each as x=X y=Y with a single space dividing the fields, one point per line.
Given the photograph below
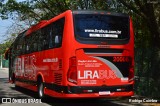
x=1 y=60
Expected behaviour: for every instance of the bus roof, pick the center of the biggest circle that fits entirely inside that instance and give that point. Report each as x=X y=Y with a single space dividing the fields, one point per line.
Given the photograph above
x=36 y=27
x=99 y=12
x=44 y=23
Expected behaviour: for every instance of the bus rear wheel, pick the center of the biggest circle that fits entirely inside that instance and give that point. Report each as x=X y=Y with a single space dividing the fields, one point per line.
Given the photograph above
x=41 y=89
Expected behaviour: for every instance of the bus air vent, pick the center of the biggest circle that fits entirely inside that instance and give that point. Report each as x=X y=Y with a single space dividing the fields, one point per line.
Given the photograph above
x=58 y=78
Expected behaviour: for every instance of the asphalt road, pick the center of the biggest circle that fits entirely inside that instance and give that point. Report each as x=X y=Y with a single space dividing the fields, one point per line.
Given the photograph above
x=8 y=90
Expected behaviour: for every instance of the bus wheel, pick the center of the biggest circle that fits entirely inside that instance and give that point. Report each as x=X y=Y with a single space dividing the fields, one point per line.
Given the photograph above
x=17 y=87
x=41 y=89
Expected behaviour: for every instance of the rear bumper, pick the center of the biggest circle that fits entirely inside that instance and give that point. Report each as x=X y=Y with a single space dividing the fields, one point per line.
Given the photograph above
x=97 y=89
x=78 y=91
x=88 y=95
x=96 y=95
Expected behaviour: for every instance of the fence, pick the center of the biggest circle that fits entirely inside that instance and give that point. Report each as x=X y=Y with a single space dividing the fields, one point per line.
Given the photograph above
x=5 y=63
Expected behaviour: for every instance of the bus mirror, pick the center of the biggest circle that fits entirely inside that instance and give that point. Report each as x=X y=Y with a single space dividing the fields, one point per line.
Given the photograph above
x=57 y=40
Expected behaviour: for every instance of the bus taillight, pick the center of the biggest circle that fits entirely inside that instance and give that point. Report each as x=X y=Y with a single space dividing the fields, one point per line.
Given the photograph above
x=72 y=72
x=131 y=71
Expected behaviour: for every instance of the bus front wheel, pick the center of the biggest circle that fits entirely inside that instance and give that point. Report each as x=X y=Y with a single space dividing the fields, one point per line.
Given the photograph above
x=40 y=89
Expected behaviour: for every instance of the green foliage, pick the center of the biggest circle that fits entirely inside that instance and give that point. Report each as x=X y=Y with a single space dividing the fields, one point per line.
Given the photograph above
x=46 y=9
x=4 y=46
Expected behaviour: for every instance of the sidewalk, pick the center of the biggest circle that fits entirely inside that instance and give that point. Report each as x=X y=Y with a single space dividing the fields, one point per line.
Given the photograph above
x=3 y=72
x=4 y=68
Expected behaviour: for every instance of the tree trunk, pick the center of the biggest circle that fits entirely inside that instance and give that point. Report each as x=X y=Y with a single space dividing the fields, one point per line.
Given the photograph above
x=153 y=25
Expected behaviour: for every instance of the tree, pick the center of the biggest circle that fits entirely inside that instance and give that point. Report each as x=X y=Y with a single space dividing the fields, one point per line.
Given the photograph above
x=4 y=46
x=149 y=12
x=147 y=38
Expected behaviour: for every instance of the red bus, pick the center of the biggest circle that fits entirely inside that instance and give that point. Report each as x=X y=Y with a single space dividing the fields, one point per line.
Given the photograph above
x=77 y=54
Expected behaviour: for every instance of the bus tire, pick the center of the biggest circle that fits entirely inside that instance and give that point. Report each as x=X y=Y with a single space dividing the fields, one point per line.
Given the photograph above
x=17 y=87
x=40 y=89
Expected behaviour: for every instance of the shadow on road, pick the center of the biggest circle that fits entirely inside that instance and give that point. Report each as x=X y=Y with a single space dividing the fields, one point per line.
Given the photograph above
x=80 y=102
x=67 y=102
x=8 y=90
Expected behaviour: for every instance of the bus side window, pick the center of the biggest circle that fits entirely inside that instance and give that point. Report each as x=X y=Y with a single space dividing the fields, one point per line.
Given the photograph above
x=57 y=40
x=40 y=40
x=30 y=44
x=45 y=38
x=44 y=44
x=23 y=47
x=34 y=41
x=35 y=46
x=58 y=27
x=18 y=46
x=27 y=44
x=27 y=48
x=51 y=38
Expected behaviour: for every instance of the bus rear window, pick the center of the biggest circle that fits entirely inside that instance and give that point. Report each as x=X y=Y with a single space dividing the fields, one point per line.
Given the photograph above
x=98 y=26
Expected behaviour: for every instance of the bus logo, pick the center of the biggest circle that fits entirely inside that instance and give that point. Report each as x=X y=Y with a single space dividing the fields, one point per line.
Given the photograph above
x=100 y=74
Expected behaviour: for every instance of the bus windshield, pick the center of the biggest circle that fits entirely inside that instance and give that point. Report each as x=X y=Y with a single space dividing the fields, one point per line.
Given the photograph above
x=99 y=26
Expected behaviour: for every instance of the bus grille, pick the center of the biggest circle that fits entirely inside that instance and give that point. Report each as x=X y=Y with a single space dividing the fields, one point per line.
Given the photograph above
x=58 y=78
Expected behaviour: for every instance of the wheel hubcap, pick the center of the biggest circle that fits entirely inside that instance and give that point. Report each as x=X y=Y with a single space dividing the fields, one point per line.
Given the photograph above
x=41 y=90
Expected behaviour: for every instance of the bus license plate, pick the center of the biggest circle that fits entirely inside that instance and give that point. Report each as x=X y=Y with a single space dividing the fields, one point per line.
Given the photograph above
x=104 y=93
